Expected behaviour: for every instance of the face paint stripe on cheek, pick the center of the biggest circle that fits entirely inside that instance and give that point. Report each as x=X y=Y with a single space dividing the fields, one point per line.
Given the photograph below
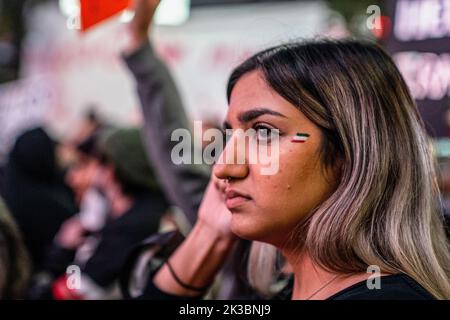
x=300 y=138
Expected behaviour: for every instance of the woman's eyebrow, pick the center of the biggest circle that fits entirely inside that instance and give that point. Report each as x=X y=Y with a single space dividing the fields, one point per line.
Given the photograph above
x=250 y=115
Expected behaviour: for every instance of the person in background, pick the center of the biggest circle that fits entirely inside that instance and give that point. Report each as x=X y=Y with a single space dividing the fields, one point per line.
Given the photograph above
x=84 y=166
x=77 y=153
x=81 y=177
x=35 y=192
x=136 y=207
x=91 y=123
x=76 y=150
x=14 y=258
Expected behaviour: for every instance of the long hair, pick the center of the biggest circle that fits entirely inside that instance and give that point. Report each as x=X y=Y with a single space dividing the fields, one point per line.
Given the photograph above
x=386 y=208
x=14 y=258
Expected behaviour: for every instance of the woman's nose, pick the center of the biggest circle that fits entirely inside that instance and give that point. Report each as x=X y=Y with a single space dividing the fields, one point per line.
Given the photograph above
x=232 y=162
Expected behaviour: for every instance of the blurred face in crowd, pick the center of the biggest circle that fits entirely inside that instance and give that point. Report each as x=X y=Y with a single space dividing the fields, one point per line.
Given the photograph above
x=113 y=190
x=268 y=207
x=106 y=180
x=83 y=174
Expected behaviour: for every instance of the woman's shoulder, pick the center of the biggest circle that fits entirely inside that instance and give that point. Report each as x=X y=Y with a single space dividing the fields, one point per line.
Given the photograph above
x=392 y=287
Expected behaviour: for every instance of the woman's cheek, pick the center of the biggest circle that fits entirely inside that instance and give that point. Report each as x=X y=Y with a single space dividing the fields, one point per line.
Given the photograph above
x=278 y=200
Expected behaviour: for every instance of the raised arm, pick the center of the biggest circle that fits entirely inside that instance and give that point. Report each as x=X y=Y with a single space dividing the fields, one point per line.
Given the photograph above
x=163 y=113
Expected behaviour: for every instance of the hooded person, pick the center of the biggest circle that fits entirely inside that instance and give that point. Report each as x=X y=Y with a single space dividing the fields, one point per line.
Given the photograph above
x=35 y=192
x=136 y=206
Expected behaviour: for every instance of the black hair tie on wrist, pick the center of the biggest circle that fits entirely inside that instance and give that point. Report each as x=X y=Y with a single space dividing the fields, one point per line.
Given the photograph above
x=181 y=283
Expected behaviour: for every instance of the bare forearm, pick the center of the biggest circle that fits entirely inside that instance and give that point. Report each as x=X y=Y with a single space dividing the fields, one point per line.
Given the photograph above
x=196 y=261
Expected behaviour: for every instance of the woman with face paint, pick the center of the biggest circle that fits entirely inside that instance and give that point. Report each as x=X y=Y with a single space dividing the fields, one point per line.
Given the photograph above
x=358 y=193
x=355 y=190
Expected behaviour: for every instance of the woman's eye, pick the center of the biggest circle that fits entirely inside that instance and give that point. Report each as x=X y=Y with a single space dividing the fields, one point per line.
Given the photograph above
x=266 y=134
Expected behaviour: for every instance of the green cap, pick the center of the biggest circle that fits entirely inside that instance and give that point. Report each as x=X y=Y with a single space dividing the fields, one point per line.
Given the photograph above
x=125 y=149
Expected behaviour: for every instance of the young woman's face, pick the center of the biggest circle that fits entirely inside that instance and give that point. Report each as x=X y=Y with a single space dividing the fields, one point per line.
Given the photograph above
x=270 y=206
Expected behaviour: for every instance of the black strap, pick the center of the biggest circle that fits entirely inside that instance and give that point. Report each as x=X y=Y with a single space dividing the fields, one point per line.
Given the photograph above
x=181 y=283
x=167 y=242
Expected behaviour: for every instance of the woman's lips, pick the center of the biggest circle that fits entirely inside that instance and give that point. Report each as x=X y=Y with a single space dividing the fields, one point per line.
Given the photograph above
x=234 y=199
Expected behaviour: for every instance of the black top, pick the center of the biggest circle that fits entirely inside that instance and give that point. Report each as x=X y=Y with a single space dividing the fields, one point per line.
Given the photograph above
x=393 y=287
x=35 y=193
x=121 y=235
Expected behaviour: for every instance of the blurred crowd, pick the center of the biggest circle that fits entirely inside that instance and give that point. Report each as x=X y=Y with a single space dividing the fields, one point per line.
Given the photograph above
x=75 y=212
x=84 y=202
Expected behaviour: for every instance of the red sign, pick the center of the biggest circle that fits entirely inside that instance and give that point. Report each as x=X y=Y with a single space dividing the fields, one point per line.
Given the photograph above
x=95 y=11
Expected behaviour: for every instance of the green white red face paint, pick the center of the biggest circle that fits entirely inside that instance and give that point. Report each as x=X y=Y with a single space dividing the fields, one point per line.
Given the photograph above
x=300 y=138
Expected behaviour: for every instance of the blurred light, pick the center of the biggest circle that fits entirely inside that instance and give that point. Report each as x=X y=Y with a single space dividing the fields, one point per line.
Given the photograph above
x=173 y=12
x=385 y=30
x=442 y=147
x=70 y=8
x=126 y=16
